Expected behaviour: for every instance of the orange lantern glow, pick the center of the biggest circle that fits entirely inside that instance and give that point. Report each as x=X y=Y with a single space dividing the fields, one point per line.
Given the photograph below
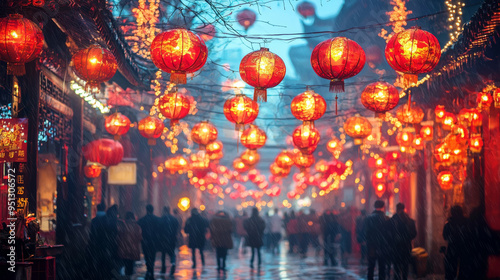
x=178 y=52
x=476 y=144
x=177 y=164
x=427 y=132
x=94 y=65
x=241 y=110
x=461 y=133
x=214 y=147
x=405 y=138
x=278 y=171
x=358 y=128
x=117 y=125
x=250 y=157
x=308 y=106
x=239 y=165
x=92 y=171
x=335 y=146
x=151 y=128
x=441 y=153
x=476 y=118
x=380 y=189
x=496 y=97
x=303 y=161
x=484 y=100
x=445 y=180
x=449 y=121
x=204 y=133
x=200 y=162
x=321 y=166
x=262 y=69
x=418 y=143
x=306 y=138
x=410 y=114
x=174 y=106
x=253 y=137
x=392 y=157
x=440 y=113
x=284 y=159
x=380 y=97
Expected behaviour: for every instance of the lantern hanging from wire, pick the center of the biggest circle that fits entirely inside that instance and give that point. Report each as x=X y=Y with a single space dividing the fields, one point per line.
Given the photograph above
x=439 y=112
x=303 y=161
x=250 y=157
x=204 y=133
x=306 y=138
x=246 y=18
x=380 y=189
x=151 y=128
x=174 y=106
x=178 y=52
x=21 y=41
x=92 y=171
x=427 y=132
x=445 y=180
x=308 y=106
x=241 y=110
x=306 y=9
x=284 y=159
x=117 y=125
x=239 y=165
x=206 y=32
x=214 y=147
x=107 y=152
x=262 y=69
x=484 y=100
x=449 y=121
x=253 y=137
x=410 y=114
x=405 y=138
x=476 y=144
x=418 y=143
x=177 y=164
x=358 y=128
x=94 y=65
x=279 y=171
x=380 y=97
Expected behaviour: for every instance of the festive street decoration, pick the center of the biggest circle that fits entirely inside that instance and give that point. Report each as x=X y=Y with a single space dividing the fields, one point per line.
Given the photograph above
x=107 y=152
x=427 y=132
x=241 y=110
x=253 y=137
x=380 y=189
x=176 y=164
x=335 y=146
x=449 y=121
x=279 y=171
x=445 y=180
x=306 y=138
x=246 y=18
x=262 y=69
x=476 y=144
x=250 y=157
x=306 y=9
x=174 y=106
x=94 y=65
x=303 y=161
x=439 y=112
x=239 y=165
x=151 y=128
x=214 y=147
x=484 y=100
x=92 y=171
x=117 y=125
x=358 y=128
x=204 y=133
x=284 y=159
x=206 y=32
x=179 y=52
x=380 y=97
x=21 y=41
x=410 y=114
x=405 y=138
x=308 y=106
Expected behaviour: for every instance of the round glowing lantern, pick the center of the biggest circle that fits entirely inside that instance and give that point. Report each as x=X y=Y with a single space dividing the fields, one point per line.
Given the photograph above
x=21 y=41
x=392 y=157
x=214 y=147
x=151 y=128
x=337 y=59
x=107 y=152
x=335 y=146
x=445 y=180
x=441 y=153
x=204 y=133
x=449 y=121
x=176 y=164
x=476 y=144
x=439 y=113
x=308 y=106
x=418 y=143
x=246 y=18
x=405 y=138
x=410 y=114
x=484 y=100
x=250 y=157
x=306 y=9
x=206 y=32
x=94 y=65
x=358 y=128
x=380 y=97
x=117 y=125
x=278 y=171
x=241 y=110
x=253 y=137
x=239 y=165
x=427 y=132
x=412 y=52
x=178 y=52
x=174 y=106
x=306 y=138
x=184 y=204
x=461 y=134
x=92 y=171
x=284 y=159
x=303 y=161
x=476 y=118
x=262 y=69
x=380 y=189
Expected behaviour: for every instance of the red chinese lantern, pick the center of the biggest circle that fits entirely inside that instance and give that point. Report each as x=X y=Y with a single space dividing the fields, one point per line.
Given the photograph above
x=412 y=52
x=253 y=137
x=262 y=69
x=335 y=146
x=392 y=157
x=449 y=121
x=358 y=128
x=214 y=147
x=174 y=106
x=284 y=159
x=484 y=100
x=379 y=176
x=107 y=152
x=405 y=138
x=151 y=128
x=203 y=133
x=427 y=132
x=445 y=180
x=279 y=171
x=117 y=125
x=439 y=112
x=21 y=41
x=441 y=153
x=306 y=9
x=308 y=106
x=246 y=18
x=303 y=161
x=92 y=171
x=476 y=144
x=94 y=65
x=239 y=165
x=410 y=114
x=380 y=97
x=306 y=138
x=418 y=143
x=206 y=32
x=337 y=59
x=250 y=157
x=178 y=52
x=176 y=164
x=292 y=195
x=241 y=110
x=476 y=118
x=380 y=189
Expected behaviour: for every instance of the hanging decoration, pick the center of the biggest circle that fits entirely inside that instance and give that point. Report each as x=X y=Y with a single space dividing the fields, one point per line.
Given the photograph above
x=94 y=65
x=241 y=110
x=239 y=165
x=279 y=171
x=117 y=125
x=445 y=180
x=151 y=128
x=253 y=137
x=214 y=147
x=303 y=161
x=250 y=158
x=476 y=144
x=246 y=18
x=306 y=9
x=308 y=106
x=427 y=132
x=107 y=152
x=410 y=114
x=306 y=138
x=380 y=97
x=358 y=128
x=177 y=164
x=204 y=133
x=92 y=171
x=178 y=52
x=262 y=69
x=174 y=106
x=284 y=159
x=206 y=32
x=335 y=147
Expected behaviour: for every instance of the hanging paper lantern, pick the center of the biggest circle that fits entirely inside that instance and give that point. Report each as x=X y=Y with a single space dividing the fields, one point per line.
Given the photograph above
x=92 y=171
x=94 y=65
x=308 y=106
x=117 y=125
x=306 y=9
x=174 y=106
x=460 y=134
x=427 y=132
x=303 y=161
x=203 y=133
x=279 y=171
x=439 y=112
x=392 y=157
x=291 y=195
x=380 y=97
x=306 y=138
x=199 y=163
x=284 y=159
x=379 y=176
x=412 y=52
x=445 y=180
x=442 y=154
x=418 y=143
x=358 y=128
x=262 y=69
x=321 y=166
x=476 y=144
x=151 y=128
x=484 y=100
x=476 y=118
x=178 y=52
x=405 y=138
x=337 y=59
x=250 y=157
x=241 y=110
x=246 y=18
x=449 y=121
x=380 y=189
x=239 y=165
x=335 y=147
x=21 y=41
x=206 y=32
x=177 y=164
x=214 y=147
x=253 y=137
x=107 y=152
x=410 y=114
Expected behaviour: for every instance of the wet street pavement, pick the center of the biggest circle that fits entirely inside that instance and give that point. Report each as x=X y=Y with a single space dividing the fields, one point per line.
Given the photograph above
x=279 y=266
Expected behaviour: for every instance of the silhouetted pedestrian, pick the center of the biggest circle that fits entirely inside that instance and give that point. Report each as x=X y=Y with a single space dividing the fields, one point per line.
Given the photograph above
x=330 y=230
x=221 y=229
x=150 y=239
x=168 y=239
x=292 y=232
x=275 y=231
x=360 y=235
x=376 y=232
x=254 y=226
x=402 y=232
x=453 y=232
x=196 y=227
x=102 y=243
x=180 y=221
x=129 y=243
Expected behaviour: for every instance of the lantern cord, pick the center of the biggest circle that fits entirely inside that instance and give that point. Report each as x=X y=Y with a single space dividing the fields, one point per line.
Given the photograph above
x=409 y=100
x=336 y=107
x=178 y=78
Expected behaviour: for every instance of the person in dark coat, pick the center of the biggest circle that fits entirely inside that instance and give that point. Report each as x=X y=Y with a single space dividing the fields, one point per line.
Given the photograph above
x=402 y=232
x=168 y=239
x=129 y=243
x=292 y=231
x=360 y=235
x=150 y=239
x=377 y=234
x=254 y=226
x=196 y=227
x=221 y=229
x=454 y=233
x=330 y=230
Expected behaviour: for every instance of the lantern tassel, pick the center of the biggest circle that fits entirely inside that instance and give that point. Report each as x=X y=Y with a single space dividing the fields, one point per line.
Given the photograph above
x=174 y=123
x=337 y=86
x=260 y=94
x=178 y=78
x=151 y=142
x=410 y=80
x=16 y=69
